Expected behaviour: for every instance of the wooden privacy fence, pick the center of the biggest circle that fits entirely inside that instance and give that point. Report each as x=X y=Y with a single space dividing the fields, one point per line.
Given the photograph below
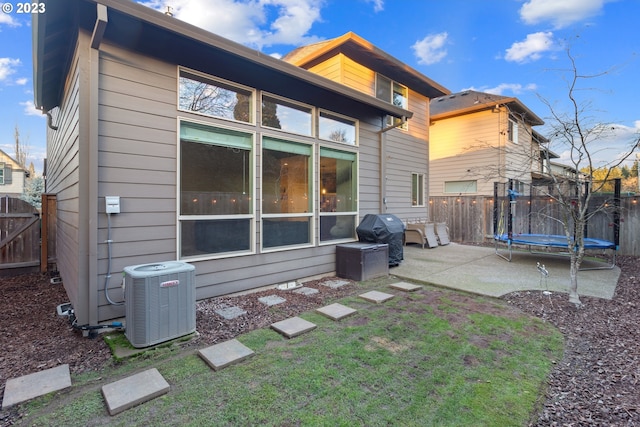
x=470 y=219
x=19 y=234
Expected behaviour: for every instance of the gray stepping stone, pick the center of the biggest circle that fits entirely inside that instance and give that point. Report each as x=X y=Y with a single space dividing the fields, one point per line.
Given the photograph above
x=336 y=311
x=221 y=355
x=271 y=300
x=293 y=327
x=404 y=286
x=134 y=390
x=21 y=389
x=306 y=291
x=333 y=284
x=230 y=312
x=376 y=296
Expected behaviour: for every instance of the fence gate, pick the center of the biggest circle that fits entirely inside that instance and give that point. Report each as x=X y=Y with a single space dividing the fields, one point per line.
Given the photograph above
x=19 y=234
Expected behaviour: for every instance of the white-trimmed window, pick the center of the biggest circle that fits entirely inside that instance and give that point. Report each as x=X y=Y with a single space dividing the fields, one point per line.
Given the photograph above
x=286 y=115
x=461 y=187
x=287 y=205
x=417 y=189
x=338 y=194
x=512 y=130
x=1 y=173
x=205 y=95
x=333 y=127
x=216 y=190
x=394 y=93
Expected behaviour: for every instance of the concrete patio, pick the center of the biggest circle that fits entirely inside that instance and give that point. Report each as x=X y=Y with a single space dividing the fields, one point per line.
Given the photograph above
x=479 y=270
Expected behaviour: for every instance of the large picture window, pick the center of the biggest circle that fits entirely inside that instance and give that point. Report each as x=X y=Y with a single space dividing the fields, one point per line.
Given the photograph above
x=215 y=98
x=338 y=194
x=286 y=193
x=216 y=191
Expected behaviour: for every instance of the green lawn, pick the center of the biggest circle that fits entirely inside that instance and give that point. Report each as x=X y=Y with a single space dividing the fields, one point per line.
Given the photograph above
x=433 y=357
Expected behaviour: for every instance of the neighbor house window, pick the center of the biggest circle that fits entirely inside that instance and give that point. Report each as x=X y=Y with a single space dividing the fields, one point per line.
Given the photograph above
x=417 y=189
x=512 y=130
x=278 y=113
x=394 y=93
x=1 y=173
x=338 y=194
x=458 y=187
x=286 y=193
x=337 y=128
x=216 y=191
x=214 y=97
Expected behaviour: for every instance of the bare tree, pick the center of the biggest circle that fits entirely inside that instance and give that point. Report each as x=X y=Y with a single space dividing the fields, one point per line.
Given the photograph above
x=21 y=148
x=577 y=131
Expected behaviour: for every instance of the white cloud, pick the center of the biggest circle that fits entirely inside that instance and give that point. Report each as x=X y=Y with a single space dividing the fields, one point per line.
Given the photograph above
x=7 y=19
x=30 y=109
x=531 y=48
x=430 y=49
x=378 y=5
x=8 y=67
x=560 y=13
x=22 y=81
x=247 y=21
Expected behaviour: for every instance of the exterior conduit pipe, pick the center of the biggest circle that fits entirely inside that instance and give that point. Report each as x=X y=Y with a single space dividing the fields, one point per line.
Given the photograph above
x=50 y=121
x=383 y=162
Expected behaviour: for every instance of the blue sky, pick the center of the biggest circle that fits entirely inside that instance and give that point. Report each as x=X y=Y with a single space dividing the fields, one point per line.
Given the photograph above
x=508 y=47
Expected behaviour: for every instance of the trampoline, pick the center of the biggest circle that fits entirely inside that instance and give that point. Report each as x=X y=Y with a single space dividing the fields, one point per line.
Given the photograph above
x=550 y=241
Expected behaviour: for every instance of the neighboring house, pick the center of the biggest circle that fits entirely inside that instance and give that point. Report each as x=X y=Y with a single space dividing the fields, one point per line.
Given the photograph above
x=479 y=138
x=248 y=167
x=12 y=176
x=404 y=146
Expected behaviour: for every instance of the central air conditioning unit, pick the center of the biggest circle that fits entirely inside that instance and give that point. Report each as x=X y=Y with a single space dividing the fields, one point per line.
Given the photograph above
x=160 y=302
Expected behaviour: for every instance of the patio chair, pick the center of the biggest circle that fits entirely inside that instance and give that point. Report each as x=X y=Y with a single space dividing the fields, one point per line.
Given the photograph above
x=422 y=233
x=443 y=233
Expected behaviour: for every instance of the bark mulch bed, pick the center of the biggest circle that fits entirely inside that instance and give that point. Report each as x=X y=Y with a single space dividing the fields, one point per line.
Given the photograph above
x=594 y=384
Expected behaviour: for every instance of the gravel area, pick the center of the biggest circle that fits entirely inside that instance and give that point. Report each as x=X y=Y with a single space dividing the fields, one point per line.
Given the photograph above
x=594 y=384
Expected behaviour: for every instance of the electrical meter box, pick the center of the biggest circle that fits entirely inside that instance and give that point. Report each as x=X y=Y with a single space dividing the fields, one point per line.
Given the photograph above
x=160 y=302
x=362 y=261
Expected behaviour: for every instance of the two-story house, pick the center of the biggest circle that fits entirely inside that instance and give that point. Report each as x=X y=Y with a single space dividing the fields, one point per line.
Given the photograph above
x=12 y=176
x=479 y=138
x=250 y=168
x=403 y=146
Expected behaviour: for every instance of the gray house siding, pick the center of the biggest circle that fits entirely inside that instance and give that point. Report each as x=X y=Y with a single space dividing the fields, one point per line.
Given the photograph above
x=114 y=101
x=138 y=125
x=63 y=179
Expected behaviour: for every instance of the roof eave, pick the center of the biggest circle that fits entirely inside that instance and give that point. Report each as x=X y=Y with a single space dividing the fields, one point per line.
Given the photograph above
x=351 y=37
x=179 y=28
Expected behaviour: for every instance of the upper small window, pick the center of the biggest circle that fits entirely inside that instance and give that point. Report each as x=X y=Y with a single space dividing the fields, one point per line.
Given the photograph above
x=215 y=98
x=470 y=186
x=337 y=129
x=1 y=173
x=417 y=189
x=394 y=93
x=512 y=130
x=286 y=115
